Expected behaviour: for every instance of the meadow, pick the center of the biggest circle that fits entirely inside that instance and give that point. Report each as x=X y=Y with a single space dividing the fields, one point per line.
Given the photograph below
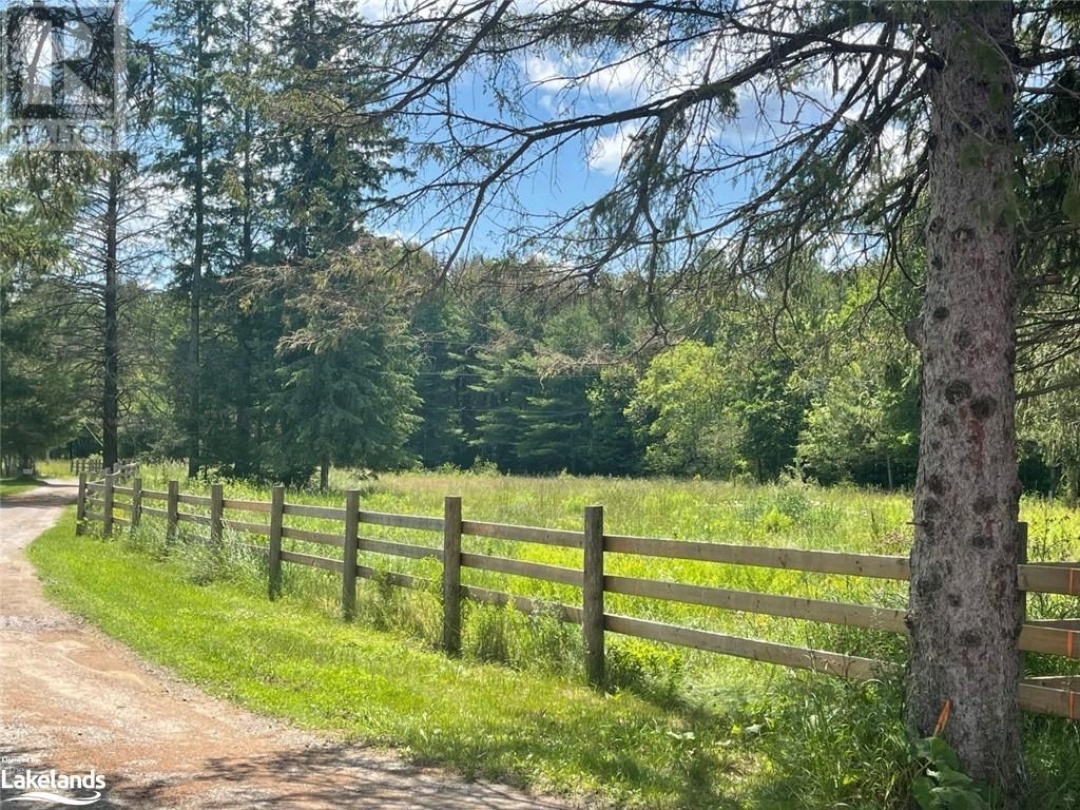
x=814 y=737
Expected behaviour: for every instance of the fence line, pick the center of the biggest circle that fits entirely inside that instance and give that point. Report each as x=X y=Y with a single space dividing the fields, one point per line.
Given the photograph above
x=1056 y=695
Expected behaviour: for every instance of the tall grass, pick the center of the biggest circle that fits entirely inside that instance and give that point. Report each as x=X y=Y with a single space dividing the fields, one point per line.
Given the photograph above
x=790 y=514
x=814 y=741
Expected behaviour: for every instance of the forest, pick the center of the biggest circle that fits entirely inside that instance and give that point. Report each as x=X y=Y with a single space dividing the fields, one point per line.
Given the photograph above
x=746 y=241
x=210 y=289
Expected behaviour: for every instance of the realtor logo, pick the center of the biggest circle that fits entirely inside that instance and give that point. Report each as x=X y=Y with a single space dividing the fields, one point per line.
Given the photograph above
x=41 y=787
x=63 y=75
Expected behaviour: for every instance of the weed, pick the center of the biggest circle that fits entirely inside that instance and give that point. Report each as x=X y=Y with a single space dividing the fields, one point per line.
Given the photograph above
x=644 y=667
x=785 y=739
x=488 y=633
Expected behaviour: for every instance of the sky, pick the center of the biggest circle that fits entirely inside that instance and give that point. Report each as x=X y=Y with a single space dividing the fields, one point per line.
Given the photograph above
x=581 y=171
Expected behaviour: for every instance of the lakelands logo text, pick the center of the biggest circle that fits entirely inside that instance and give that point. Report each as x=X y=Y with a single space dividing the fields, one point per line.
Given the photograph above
x=42 y=786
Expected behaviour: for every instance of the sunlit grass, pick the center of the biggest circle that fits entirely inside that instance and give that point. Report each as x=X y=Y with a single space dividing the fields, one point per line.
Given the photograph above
x=288 y=659
x=790 y=514
x=731 y=733
x=13 y=486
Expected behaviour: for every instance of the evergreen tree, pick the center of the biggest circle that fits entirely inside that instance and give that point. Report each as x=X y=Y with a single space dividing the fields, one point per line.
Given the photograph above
x=193 y=159
x=942 y=79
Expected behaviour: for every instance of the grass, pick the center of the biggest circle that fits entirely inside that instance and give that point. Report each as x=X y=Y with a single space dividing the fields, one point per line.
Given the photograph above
x=288 y=659
x=13 y=486
x=55 y=468
x=683 y=729
x=786 y=515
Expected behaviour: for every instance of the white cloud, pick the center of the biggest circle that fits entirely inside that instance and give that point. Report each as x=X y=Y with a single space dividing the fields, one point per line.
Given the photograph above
x=606 y=153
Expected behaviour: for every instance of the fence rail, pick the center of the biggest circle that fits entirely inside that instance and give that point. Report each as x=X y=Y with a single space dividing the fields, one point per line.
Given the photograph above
x=1056 y=695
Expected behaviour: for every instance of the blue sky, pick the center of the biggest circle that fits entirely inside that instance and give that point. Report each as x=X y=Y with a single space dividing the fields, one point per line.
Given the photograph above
x=583 y=170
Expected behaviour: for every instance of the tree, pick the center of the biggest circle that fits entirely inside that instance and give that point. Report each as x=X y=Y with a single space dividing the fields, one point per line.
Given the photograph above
x=683 y=404
x=194 y=161
x=863 y=419
x=884 y=119
x=1052 y=423
x=39 y=387
x=345 y=367
x=96 y=188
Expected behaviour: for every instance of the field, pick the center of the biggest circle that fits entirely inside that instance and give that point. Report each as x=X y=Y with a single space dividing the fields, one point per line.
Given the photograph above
x=734 y=733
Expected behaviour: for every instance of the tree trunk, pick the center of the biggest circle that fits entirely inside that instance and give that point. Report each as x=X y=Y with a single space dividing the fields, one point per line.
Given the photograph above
x=965 y=609
x=242 y=324
x=324 y=475
x=110 y=398
x=199 y=259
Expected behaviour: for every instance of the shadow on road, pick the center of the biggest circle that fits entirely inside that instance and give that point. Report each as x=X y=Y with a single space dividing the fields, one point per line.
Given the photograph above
x=327 y=777
x=47 y=496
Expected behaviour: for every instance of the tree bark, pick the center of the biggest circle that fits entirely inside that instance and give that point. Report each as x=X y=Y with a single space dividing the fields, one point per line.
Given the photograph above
x=110 y=398
x=199 y=258
x=965 y=609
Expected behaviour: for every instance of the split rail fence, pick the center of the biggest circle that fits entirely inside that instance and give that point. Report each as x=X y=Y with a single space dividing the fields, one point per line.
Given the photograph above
x=91 y=466
x=1053 y=695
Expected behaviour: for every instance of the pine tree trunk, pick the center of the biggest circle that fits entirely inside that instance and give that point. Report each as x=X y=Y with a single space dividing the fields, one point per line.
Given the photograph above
x=965 y=608
x=110 y=399
x=194 y=380
x=243 y=465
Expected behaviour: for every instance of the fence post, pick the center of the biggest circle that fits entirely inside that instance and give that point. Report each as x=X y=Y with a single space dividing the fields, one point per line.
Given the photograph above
x=277 y=518
x=136 y=503
x=172 y=509
x=352 y=531
x=217 y=496
x=451 y=632
x=592 y=625
x=107 y=528
x=80 y=506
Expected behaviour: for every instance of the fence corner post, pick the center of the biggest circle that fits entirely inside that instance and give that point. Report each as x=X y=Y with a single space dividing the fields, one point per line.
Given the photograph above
x=80 y=506
x=217 y=509
x=172 y=509
x=136 y=503
x=451 y=631
x=277 y=518
x=109 y=497
x=352 y=532
x=592 y=617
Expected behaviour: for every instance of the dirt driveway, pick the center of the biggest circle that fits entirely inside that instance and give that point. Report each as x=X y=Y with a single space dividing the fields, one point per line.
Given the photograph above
x=75 y=701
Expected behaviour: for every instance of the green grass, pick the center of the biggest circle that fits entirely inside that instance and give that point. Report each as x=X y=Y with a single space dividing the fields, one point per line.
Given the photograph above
x=786 y=515
x=13 y=486
x=56 y=468
x=288 y=659
x=699 y=730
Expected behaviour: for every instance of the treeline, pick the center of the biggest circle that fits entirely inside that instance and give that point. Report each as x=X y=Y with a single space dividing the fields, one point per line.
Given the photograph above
x=210 y=289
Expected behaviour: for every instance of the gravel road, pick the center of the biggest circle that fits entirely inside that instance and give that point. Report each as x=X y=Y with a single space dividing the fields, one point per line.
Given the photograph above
x=75 y=701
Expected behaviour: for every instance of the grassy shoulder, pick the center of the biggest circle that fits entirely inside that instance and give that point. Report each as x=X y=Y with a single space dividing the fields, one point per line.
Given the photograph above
x=14 y=486
x=762 y=739
x=288 y=660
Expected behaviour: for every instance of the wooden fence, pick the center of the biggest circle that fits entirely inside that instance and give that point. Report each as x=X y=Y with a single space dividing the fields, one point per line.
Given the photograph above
x=90 y=466
x=1054 y=695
